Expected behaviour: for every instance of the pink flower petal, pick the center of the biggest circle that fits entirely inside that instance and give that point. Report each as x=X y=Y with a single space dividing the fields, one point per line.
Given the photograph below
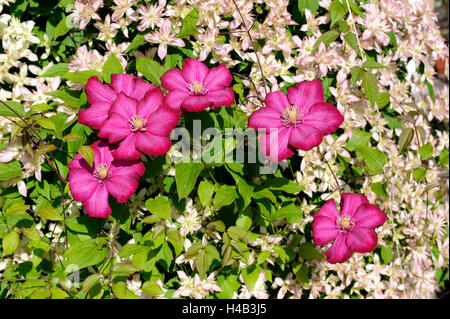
x=150 y=103
x=306 y=93
x=102 y=152
x=124 y=106
x=194 y=70
x=221 y=98
x=79 y=162
x=324 y=230
x=123 y=83
x=277 y=100
x=95 y=115
x=173 y=80
x=218 y=78
x=115 y=129
x=121 y=187
x=362 y=240
x=153 y=145
x=174 y=99
x=97 y=205
x=141 y=88
x=338 y=252
x=82 y=184
x=369 y=216
x=305 y=137
x=127 y=149
x=350 y=203
x=328 y=210
x=98 y=92
x=196 y=103
x=325 y=117
x=275 y=144
x=134 y=169
x=162 y=121
x=265 y=117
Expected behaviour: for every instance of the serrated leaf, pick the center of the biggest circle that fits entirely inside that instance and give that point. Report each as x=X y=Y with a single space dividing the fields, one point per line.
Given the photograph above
x=386 y=254
x=10 y=170
x=311 y=5
x=379 y=189
x=236 y=232
x=16 y=108
x=205 y=192
x=352 y=41
x=225 y=196
x=82 y=76
x=375 y=159
x=371 y=64
x=291 y=213
x=71 y=137
x=62 y=27
x=137 y=41
x=90 y=282
x=152 y=288
x=382 y=100
x=42 y=150
x=419 y=173
x=426 y=151
x=326 y=38
x=87 y=153
x=202 y=263
x=337 y=12
x=356 y=73
x=84 y=254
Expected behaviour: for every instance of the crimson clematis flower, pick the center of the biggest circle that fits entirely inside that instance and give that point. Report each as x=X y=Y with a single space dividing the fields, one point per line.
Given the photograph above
x=93 y=185
x=299 y=120
x=351 y=230
x=196 y=87
x=141 y=126
x=102 y=96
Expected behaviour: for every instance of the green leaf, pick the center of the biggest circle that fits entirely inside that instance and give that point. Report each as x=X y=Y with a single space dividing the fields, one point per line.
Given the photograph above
x=370 y=86
x=111 y=66
x=356 y=73
x=352 y=41
x=237 y=232
x=186 y=175
x=426 y=151
x=419 y=173
x=68 y=96
x=16 y=106
x=205 y=192
x=159 y=206
x=405 y=138
x=371 y=64
x=382 y=100
x=202 y=263
x=87 y=153
x=84 y=254
x=55 y=70
x=137 y=41
x=150 y=69
x=443 y=158
x=50 y=213
x=283 y=184
x=42 y=150
x=311 y=5
x=301 y=271
x=430 y=89
x=152 y=288
x=326 y=38
x=308 y=251
x=62 y=27
x=189 y=24
x=10 y=170
x=10 y=243
x=379 y=189
x=359 y=138
x=374 y=158
x=90 y=282
x=72 y=136
x=291 y=213
x=41 y=293
x=124 y=268
x=225 y=195
x=337 y=12
x=386 y=254
x=82 y=76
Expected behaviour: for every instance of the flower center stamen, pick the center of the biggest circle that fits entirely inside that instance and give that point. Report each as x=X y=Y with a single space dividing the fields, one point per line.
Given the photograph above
x=345 y=223
x=102 y=173
x=197 y=88
x=292 y=116
x=137 y=123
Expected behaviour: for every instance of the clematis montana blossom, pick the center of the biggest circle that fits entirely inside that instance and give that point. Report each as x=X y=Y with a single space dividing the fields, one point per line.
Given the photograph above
x=93 y=185
x=140 y=126
x=299 y=120
x=351 y=230
x=196 y=87
x=101 y=96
